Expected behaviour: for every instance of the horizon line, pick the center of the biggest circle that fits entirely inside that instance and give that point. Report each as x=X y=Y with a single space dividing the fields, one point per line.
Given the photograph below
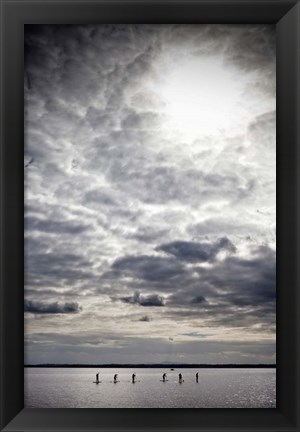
x=157 y=365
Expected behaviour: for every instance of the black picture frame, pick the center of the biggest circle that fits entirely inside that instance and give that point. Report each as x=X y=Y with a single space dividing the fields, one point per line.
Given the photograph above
x=14 y=14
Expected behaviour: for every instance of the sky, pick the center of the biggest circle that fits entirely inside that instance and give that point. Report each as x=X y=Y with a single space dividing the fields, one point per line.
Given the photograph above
x=150 y=194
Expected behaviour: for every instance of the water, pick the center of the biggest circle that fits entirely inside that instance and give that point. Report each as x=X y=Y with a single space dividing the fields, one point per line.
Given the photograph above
x=217 y=388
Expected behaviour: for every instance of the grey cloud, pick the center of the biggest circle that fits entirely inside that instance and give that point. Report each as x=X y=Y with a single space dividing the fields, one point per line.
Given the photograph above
x=262 y=132
x=148 y=301
x=238 y=292
x=52 y=226
x=54 y=268
x=122 y=156
x=150 y=268
x=229 y=41
x=131 y=72
x=144 y=61
x=45 y=294
x=148 y=234
x=69 y=57
x=189 y=299
x=146 y=98
x=234 y=292
x=252 y=280
x=67 y=340
x=145 y=120
x=261 y=47
x=250 y=231
x=145 y=318
x=197 y=252
x=100 y=119
x=213 y=226
x=198 y=300
x=100 y=197
x=50 y=308
x=158 y=184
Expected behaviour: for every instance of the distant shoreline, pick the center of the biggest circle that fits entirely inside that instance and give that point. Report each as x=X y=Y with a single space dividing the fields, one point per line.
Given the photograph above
x=161 y=366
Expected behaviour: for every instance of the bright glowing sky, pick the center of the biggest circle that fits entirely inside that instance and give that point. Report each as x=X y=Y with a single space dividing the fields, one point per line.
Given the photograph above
x=150 y=194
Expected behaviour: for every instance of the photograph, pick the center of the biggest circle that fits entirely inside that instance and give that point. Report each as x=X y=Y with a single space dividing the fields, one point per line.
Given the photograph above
x=150 y=216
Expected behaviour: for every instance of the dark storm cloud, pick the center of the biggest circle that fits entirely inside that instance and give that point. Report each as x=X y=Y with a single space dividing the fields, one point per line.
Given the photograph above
x=197 y=252
x=149 y=268
x=50 y=308
x=72 y=53
x=245 y=281
x=148 y=301
x=191 y=298
x=198 y=300
x=235 y=291
x=238 y=292
x=144 y=273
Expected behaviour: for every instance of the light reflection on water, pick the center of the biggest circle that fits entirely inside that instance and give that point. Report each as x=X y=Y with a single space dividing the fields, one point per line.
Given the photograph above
x=217 y=388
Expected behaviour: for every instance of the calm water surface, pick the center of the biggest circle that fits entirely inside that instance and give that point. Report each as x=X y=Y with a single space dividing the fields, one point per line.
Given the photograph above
x=217 y=388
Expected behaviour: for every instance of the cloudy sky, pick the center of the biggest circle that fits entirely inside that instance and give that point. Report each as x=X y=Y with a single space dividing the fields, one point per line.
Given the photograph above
x=150 y=194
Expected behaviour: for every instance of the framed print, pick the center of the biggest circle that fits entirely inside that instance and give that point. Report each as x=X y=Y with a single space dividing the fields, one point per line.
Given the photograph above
x=150 y=240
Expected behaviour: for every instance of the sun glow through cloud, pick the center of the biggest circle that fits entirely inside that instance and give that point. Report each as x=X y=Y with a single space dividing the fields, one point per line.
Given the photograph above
x=204 y=96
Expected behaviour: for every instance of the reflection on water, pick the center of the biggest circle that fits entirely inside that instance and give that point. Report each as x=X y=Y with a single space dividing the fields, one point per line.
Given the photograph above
x=216 y=388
